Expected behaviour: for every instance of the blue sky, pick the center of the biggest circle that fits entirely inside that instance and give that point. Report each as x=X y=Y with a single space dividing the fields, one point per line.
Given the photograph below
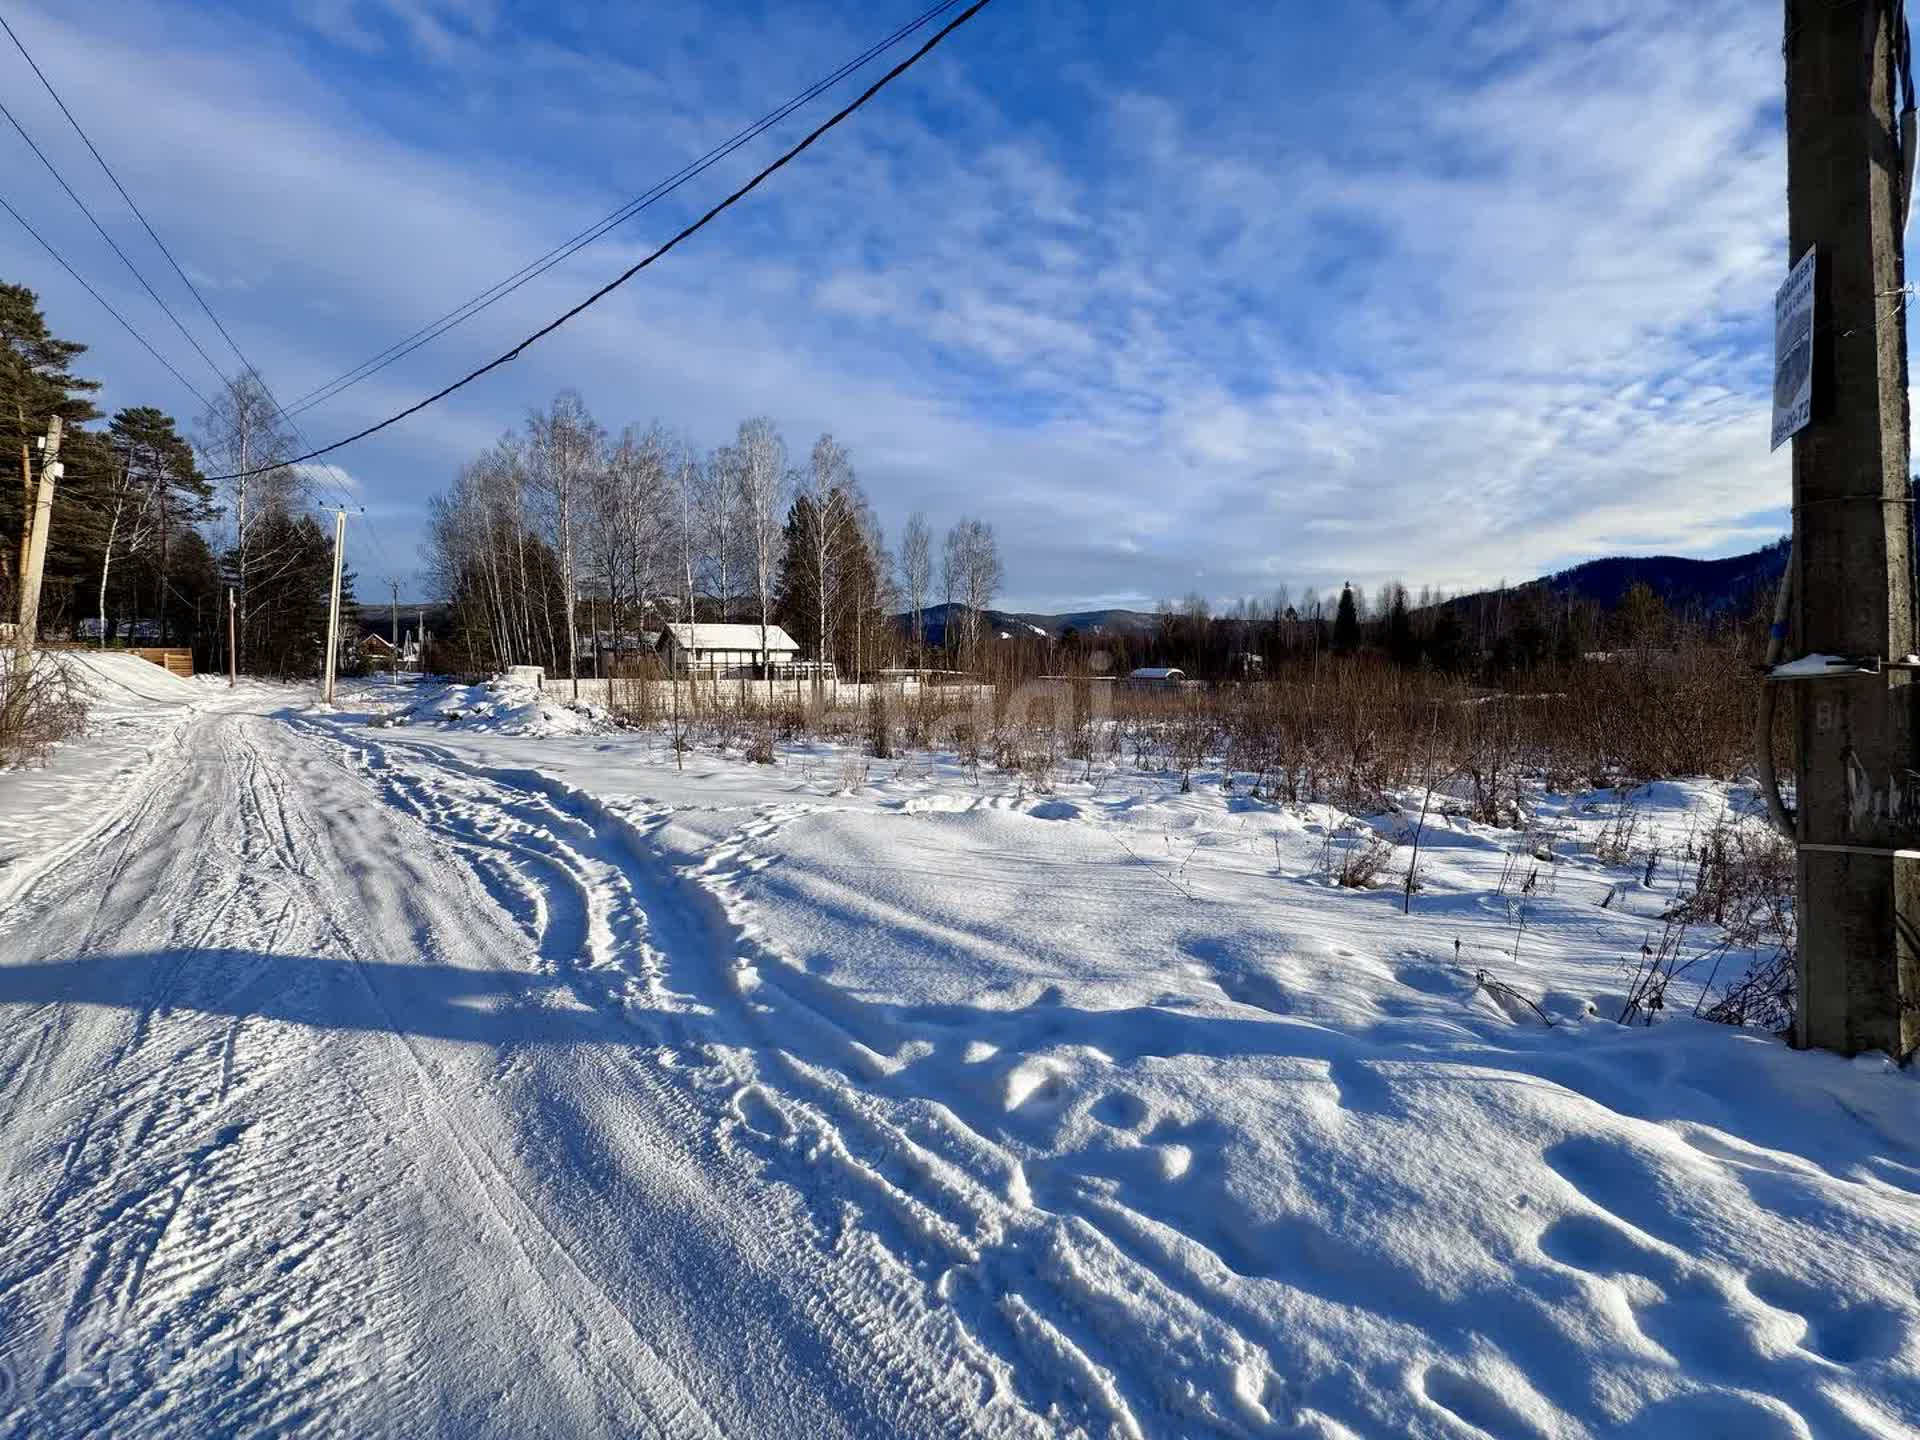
x=1208 y=297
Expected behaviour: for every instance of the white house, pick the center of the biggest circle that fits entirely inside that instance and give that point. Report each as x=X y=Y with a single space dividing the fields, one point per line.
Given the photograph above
x=724 y=650
x=1156 y=677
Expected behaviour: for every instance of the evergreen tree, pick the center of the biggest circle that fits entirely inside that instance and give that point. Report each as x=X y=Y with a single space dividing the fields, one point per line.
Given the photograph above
x=140 y=493
x=1402 y=644
x=1447 y=649
x=36 y=383
x=1346 y=623
x=291 y=584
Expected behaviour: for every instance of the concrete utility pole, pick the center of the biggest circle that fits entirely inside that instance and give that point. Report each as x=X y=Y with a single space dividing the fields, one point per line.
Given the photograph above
x=1858 y=873
x=233 y=656
x=393 y=614
x=41 y=521
x=333 y=606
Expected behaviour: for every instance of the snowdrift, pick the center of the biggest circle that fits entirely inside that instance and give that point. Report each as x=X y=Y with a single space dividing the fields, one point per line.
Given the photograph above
x=121 y=679
x=502 y=707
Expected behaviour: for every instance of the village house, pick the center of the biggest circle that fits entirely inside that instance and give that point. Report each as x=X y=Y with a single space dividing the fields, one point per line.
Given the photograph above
x=725 y=651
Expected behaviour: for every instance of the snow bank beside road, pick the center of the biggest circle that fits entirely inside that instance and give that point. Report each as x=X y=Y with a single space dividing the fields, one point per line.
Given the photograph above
x=135 y=710
x=499 y=707
x=119 y=680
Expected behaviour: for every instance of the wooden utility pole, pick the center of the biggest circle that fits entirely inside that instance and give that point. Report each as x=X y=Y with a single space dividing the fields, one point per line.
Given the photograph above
x=333 y=605
x=233 y=656
x=1858 y=872
x=40 y=522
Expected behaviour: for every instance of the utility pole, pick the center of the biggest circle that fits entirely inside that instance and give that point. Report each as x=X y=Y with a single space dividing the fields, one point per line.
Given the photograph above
x=393 y=614
x=41 y=521
x=1858 y=870
x=33 y=564
x=333 y=605
x=420 y=645
x=233 y=656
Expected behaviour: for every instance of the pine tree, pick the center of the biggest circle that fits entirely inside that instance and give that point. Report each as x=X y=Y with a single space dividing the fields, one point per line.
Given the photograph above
x=36 y=383
x=1346 y=623
x=147 y=492
x=1402 y=644
x=1447 y=645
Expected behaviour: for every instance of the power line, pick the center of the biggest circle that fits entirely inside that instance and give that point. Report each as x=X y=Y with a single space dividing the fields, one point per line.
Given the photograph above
x=159 y=244
x=134 y=270
x=103 y=303
x=138 y=213
x=644 y=262
x=460 y=314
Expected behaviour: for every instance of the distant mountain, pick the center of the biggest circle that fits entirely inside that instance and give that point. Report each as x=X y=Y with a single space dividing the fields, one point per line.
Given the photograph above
x=1736 y=582
x=1011 y=622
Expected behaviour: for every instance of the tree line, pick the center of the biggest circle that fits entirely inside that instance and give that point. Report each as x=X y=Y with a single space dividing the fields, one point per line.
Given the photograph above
x=567 y=546
x=1491 y=636
x=142 y=547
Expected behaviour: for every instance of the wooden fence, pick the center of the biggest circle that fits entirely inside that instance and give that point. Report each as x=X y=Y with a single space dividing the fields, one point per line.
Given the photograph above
x=176 y=662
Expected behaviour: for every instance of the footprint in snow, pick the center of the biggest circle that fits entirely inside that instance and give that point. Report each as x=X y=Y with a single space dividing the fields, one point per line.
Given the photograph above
x=1475 y=1402
x=1718 y=1415
x=760 y=1115
x=1838 y=1333
x=1120 y=1110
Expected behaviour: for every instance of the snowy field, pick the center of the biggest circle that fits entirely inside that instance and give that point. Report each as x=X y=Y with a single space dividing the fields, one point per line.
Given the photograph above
x=492 y=1074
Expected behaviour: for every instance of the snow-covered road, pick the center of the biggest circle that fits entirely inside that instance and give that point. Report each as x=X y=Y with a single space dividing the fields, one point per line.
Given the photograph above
x=429 y=1081
x=296 y=1134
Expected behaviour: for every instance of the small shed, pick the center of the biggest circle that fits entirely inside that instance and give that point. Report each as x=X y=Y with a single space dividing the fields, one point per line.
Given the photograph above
x=725 y=650
x=1157 y=677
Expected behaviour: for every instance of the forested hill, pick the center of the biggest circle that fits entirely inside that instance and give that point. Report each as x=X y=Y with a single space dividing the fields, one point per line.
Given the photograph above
x=1734 y=582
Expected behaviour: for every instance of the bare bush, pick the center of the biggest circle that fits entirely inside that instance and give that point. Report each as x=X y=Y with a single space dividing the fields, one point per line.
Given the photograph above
x=1615 y=844
x=1358 y=863
x=1763 y=997
x=41 y=704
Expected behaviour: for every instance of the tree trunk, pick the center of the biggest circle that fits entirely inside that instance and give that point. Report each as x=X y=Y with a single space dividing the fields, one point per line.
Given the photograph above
x=106 y=563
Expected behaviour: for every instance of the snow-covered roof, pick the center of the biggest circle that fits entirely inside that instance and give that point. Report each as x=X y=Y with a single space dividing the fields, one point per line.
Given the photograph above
x=730 y=637
x=1157 y=672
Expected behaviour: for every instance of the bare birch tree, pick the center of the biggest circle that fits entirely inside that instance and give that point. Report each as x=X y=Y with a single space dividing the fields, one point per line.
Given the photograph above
x=565 y=449
x=916 y=573
x=757 y=461
x=971 y=571
x=825 y=486
x=243 y=430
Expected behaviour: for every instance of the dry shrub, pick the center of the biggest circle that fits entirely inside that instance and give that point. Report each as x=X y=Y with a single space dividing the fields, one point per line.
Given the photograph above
x=41 y=704
x=1351 y=731
x=1763 y=997
x=1616 y=842
x=1358 y=863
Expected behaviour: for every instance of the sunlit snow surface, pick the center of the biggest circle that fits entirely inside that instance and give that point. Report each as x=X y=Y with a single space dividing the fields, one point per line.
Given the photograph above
x=459 y=1081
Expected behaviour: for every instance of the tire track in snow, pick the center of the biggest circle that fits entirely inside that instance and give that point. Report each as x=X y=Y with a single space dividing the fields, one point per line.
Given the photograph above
x=158 y=1203
x=986 y=1252
x=869 y=1297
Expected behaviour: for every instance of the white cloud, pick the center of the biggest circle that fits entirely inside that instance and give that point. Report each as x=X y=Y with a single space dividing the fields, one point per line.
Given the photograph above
x=1492 y=313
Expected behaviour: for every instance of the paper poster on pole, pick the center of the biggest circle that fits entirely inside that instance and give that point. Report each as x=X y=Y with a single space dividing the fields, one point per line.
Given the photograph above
x=1793 y=352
